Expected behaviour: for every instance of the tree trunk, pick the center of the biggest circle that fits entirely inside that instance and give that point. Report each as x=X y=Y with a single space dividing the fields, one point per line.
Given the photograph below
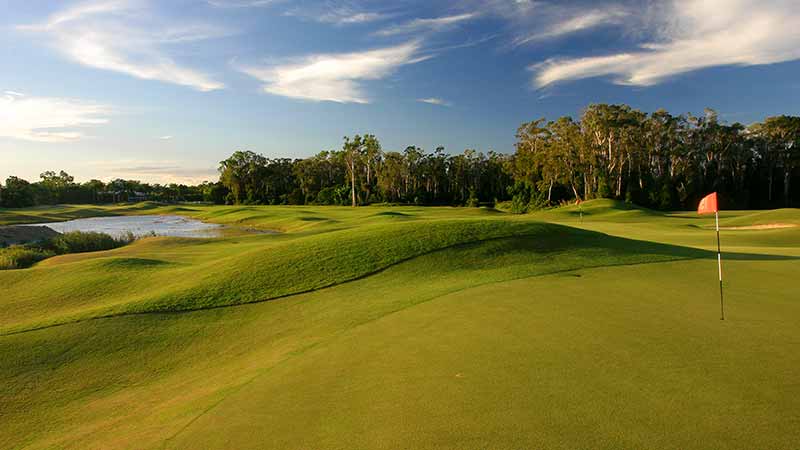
x=787 y=176
x=353 y=182
x=550 y=192
x=585 y=185
x=769 y=184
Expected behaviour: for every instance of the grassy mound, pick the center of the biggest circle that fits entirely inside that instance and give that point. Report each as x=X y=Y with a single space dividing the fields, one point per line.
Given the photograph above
x=202 y=274
x=599 y=209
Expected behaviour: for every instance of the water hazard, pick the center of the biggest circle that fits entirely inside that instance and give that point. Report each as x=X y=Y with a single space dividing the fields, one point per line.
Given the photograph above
x=177 y=226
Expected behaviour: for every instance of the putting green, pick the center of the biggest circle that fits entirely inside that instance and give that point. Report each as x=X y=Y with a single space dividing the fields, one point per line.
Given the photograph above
x=409 y=328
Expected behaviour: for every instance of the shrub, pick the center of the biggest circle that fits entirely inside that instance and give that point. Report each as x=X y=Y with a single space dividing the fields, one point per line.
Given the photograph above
x=472 y=201
x=79 y=242
x=21 y=256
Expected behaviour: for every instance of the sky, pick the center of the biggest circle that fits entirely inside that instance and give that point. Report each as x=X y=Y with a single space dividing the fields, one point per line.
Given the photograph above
x=162 y=90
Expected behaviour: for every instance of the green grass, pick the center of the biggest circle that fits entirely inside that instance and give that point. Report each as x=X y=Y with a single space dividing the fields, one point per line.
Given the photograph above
x=408 y=327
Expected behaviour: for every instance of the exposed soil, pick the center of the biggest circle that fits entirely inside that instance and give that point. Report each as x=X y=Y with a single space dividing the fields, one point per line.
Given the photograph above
x=766 y=226
x=16 y=234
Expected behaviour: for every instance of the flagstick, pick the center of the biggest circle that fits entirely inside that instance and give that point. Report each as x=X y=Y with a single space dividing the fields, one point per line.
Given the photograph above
x=719 y=266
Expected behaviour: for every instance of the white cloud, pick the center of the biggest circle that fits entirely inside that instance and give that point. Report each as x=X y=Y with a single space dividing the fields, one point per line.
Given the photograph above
x=154 y=171
x=334 y=77
x=420 y=25
x=346 y=17
x=575 y=23
x=336 y=14
x=241 y=3
x=117 y=35
x=361 y=17
x=434 y=101
x=165 y=138
x=48 y=119
x=83 y=10
x=692 y=35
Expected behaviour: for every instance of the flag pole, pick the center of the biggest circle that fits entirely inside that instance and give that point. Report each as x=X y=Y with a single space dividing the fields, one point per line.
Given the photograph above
x=719 y=267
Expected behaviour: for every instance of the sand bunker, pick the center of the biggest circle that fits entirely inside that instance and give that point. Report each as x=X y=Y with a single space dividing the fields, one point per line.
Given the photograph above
x=766 y=226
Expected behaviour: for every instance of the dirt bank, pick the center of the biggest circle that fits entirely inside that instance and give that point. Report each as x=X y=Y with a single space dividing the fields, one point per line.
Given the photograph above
x=766 y=226
x=16 y=234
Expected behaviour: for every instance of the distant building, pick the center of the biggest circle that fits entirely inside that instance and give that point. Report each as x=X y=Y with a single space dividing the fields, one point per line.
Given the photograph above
x=123 y=196
x=138 y=197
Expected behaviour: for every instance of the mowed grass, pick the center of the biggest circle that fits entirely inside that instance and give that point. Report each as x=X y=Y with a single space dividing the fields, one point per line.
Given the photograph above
x=409 y=328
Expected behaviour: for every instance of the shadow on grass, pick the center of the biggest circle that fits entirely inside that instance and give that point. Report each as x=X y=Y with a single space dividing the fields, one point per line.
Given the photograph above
x=392 y=214
x=624 y=245
x=314 y=219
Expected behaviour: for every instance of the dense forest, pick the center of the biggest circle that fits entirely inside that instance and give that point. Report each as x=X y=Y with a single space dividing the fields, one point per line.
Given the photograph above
x=614 y=151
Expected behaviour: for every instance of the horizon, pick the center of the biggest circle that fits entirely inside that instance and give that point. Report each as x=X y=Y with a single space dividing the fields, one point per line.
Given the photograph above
x=196 y=80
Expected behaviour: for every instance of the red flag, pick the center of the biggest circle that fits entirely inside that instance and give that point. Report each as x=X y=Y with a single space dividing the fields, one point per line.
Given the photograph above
x=708 y=205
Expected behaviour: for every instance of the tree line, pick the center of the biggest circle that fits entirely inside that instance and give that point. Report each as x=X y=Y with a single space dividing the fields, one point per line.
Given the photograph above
x=59 y=188
x=362 y=173
x=657 y=159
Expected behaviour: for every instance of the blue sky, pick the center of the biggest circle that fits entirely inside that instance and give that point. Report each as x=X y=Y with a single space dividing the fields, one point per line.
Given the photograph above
x=161 y=91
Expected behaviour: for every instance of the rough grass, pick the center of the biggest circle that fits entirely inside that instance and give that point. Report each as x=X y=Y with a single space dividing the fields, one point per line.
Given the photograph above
x=464 y=333
x=18 y=257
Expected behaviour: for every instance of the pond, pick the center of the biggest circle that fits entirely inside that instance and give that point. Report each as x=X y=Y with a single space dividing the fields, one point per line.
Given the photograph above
x=177 y=226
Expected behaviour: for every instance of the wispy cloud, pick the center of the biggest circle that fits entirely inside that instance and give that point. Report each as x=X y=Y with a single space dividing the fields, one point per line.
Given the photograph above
x=575 y=23
x=335 y=77
x=337 y=14
x=693 y=34
x=48 y=119
x=434 y=101
x=429 y=24
x=154 y=171
x=165 y=138
x=241 y=3
x=117 y=35
x=346 y=18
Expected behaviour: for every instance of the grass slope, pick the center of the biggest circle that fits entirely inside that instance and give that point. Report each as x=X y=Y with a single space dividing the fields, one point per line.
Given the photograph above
x=210 y=273
x=457 y=329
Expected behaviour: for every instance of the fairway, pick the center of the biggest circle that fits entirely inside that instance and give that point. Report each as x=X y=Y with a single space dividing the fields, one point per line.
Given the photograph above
x=408 y=327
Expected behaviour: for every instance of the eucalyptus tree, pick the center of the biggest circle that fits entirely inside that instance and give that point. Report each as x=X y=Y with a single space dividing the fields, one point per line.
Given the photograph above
x=562 y=161
x=782 y=134
x=352 y=151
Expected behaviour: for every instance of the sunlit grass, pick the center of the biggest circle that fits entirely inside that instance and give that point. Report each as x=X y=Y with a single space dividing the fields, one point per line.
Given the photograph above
x=409 y=327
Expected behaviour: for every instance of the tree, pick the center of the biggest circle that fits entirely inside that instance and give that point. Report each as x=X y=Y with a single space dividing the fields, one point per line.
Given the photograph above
x=782 y=135
x=352 y=155
x=53 y=187
x=94 y=187
x=17 y=193
x=241 y=175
